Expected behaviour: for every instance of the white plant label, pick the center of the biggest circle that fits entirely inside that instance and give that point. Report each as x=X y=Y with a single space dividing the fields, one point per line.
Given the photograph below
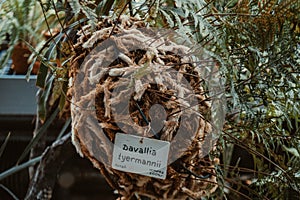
x=140 y=155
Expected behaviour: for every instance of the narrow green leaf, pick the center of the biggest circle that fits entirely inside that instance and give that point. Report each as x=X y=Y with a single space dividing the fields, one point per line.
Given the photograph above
x=30 y=68
x=297 y=175
x=75 y=5
x=43 y=98
x=41 y=76
x=62 y=100
x=107 y=7
x=168 y=18
x=292 y=150
x=4 y=144
x=91 y=15
x=177 y=19
x=18 y=168
x=9 y=192
x=64 y=128
x=38 y=135
x=4 y=58
x=43 y=71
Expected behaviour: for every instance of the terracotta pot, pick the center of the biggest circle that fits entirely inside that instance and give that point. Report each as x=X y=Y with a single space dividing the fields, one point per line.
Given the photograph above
x=19 y=58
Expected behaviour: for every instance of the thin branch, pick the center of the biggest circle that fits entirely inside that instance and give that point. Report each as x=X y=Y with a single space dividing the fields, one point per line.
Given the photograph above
x=52 y=160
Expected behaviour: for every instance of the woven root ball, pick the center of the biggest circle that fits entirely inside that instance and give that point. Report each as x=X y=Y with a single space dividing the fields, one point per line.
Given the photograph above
x=115 y=88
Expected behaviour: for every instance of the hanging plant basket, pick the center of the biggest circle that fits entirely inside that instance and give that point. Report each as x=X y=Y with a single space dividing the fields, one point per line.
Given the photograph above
x=114 y=91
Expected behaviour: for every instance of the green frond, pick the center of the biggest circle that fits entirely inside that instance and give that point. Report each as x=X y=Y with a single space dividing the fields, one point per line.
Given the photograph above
x=75 y=5
x=79 y=7
x=169 y=20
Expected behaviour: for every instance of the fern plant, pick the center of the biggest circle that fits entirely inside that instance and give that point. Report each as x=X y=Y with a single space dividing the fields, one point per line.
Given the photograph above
x=21 y=23
x=256 y=47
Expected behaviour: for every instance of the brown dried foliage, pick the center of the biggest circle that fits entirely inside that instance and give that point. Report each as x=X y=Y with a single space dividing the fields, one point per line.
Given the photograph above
x=129 y=69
